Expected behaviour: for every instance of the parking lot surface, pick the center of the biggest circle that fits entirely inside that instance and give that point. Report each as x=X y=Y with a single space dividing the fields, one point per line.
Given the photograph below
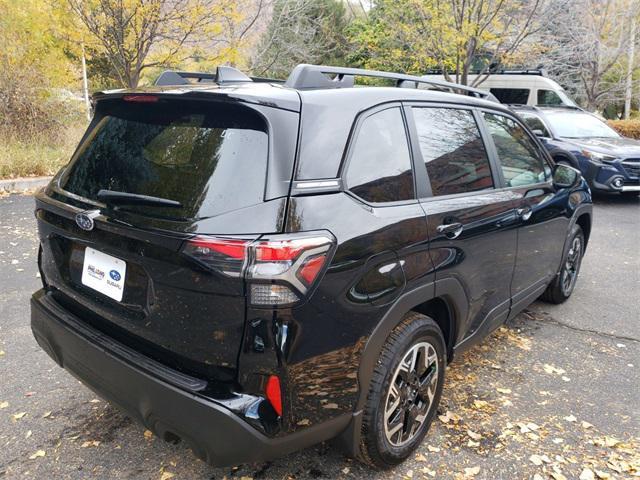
x=553 y=394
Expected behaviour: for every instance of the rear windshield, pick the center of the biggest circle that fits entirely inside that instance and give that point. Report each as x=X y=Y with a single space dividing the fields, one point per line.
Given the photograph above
x=210 y=157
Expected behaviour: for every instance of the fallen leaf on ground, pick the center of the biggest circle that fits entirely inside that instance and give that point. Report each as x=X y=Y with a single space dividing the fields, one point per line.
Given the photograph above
x=28 y=434
x=433 y=449
x=39 y=453
x=167 y=475
x=471 y=471
x=603 y=475
x=536 y=460
x=90 y=443
x=449 y=416
x=4 y=405
x=46 y=414
x=610 y=441
x=18 y=416
x=148 y=434
x=346 y=470
x=474 y=435
x=539 y=459
x=586 y=425
x=570 y=418
x=506 y=391
x=587 y=474
x=551 y=369
x=421 y=458
x=479 y=404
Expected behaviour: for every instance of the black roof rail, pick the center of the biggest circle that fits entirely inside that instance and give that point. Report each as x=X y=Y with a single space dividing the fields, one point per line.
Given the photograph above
x=267 y=80
x=224 y=74
x=315 y=76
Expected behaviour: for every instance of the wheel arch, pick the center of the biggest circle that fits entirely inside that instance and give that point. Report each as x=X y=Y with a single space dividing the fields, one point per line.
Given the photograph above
x=444 y=301
x=559 y=155
x=584 y=220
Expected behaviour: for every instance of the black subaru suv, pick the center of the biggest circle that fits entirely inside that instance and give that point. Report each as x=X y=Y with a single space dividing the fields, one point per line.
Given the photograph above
x=255 y=267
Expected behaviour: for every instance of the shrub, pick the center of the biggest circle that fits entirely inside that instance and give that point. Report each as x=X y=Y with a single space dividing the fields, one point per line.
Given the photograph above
x=627 y=128
x=24 y=157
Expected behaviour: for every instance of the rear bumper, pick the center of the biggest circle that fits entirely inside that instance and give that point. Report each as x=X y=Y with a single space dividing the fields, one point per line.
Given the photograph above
x=214 y=432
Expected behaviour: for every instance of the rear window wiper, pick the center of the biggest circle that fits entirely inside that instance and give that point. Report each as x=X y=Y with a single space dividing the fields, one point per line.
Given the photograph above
x=112 y=197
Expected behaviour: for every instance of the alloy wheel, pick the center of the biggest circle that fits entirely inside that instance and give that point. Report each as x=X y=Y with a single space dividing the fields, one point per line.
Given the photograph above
x=571 y=266
x=411 y=394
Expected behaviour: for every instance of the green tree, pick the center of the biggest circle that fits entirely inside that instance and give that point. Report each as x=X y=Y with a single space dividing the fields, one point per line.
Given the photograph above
x=34 y=66
x=301 y=31
x=137 y=35
x=455 y=36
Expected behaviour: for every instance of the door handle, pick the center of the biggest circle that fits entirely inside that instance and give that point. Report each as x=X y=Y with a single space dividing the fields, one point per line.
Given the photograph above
x=450 y=230
x=524 y=213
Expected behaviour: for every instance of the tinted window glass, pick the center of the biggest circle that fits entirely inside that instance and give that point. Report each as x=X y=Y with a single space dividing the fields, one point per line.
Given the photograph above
x=514 y=96
x=534 y=123
x=380 y=166
x=453 y=150
x=519 y=158
x=548 y=97
x=210 y=159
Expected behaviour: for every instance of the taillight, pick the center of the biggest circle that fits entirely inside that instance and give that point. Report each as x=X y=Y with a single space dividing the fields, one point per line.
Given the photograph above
x=280 y=269
x=144 y=98
x=225 y=255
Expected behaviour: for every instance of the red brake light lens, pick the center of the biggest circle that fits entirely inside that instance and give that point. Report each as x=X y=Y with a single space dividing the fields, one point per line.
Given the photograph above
x=311 y=269
x=232 y=248
x=274 y=394
x=140 y=98
x=224 y=255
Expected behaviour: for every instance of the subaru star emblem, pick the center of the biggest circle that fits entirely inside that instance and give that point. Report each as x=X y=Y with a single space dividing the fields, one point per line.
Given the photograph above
x=85 y=219
x=115 y=275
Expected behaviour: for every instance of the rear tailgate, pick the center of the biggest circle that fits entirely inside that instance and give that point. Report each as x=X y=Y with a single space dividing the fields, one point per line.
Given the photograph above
x=213 y=158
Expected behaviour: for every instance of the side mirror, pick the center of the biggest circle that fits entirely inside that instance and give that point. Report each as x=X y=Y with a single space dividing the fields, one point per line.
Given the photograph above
x=538 y=133
x=565 y=176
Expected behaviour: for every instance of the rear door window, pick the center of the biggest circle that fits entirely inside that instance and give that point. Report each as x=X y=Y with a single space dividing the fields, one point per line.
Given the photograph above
x=520 y=160
x=379 y=168
x=513 y=96
x=212 y=158
x=453 y=150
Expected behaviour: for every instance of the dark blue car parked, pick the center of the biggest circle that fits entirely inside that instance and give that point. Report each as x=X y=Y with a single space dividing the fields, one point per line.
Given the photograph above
x=608 y=161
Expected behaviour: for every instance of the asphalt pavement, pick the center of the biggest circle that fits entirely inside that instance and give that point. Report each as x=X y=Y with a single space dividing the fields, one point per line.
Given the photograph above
x=553 y=394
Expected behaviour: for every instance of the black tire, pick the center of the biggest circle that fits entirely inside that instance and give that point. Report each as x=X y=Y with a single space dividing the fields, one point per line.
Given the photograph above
x=558 y=290
x=415 y=332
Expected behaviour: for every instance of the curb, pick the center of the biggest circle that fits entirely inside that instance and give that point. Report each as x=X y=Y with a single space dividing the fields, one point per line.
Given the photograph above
x=13 y=185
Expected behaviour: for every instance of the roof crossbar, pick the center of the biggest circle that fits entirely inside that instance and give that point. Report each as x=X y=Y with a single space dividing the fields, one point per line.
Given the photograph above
x=224 y=74
x=316 y=76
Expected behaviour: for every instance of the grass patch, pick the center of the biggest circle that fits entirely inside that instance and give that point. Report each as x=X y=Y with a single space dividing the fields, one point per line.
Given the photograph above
x=20 y=157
